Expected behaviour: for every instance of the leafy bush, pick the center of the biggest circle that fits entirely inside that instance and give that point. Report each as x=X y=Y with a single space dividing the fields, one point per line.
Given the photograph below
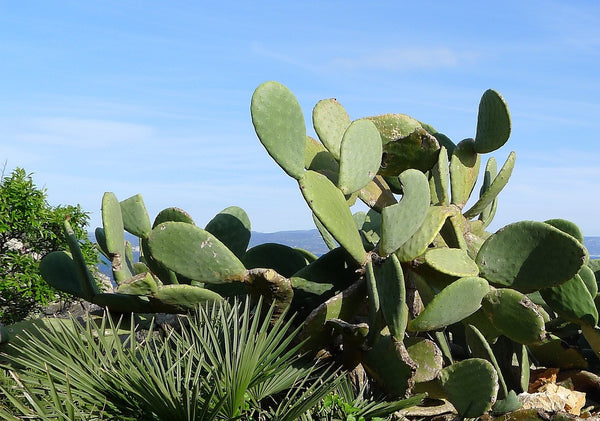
x=30 y=228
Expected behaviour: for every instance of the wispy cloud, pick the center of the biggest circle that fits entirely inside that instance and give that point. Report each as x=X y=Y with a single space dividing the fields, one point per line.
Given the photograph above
x=387 y=59
x=397 y=59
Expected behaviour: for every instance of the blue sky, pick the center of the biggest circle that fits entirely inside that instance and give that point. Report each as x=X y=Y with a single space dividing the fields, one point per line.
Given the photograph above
x=153 y=97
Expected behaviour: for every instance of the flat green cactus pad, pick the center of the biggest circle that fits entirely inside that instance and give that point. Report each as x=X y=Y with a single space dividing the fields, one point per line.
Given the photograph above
x=390 y=365
x=529 y=255
x=418 y=150
x=112 y=220
x=496 y=186
x=450 y=261
x=283 y=259
x=514 y=315
x=319 y=159
x=439 y=181
x=480 y=348
x=330 y=121
x=360 y=156
x=464 y=169
x=424 y=236
x=428 y=357
x=232 y=227
x=490 y=173
x=194 y=253
x=172 y=215
x=61 y=272
x=135 y=216
x=493 y=122
x=176 y=298
x=402 y=220
x=279 y=124
x=589 y=279
x=394 y=126
x=443 y=309
x=471 y=386
x=572 y=301
x=341 y=306
x=142 y=284
x=553 y=352
x=389 y=279
x=329 y=205
x=567 y=227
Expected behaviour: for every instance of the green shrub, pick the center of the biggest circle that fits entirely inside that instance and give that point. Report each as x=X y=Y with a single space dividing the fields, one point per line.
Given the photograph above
x=30 y=228
x=226 y=364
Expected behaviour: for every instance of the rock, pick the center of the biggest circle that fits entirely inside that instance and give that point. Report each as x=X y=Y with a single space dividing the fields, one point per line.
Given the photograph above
x=554 y=398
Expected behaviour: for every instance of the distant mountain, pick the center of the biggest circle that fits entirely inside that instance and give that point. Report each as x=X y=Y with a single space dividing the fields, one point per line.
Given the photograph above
x=309 y=240
x=593 y=246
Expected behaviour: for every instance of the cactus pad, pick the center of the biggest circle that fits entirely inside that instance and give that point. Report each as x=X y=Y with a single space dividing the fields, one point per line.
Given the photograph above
x=418 y=150
x=572 y=301
x=514 y=315
x=360 y=156
x=135 y=217
x=232 y=227
x=428 y=357
x=330 y=121
x=402 y=220
x=440 y=176
x=389 y=279
x=471 y=386
x=493 y=122
x=464 y=169
x=567 y=227
x=279 y=124
x=194 y=253
x=530 y=255
x=443 y=311
x=283 y=259
x=496 y=186
x=172 y=215
x=177 y=298
x=424 y=236
x=449 y=261
x=61 y=272
x=329 y=206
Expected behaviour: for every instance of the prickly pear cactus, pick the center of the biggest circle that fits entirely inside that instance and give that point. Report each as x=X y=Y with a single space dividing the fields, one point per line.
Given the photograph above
x=414 y=289
x=426 y=265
